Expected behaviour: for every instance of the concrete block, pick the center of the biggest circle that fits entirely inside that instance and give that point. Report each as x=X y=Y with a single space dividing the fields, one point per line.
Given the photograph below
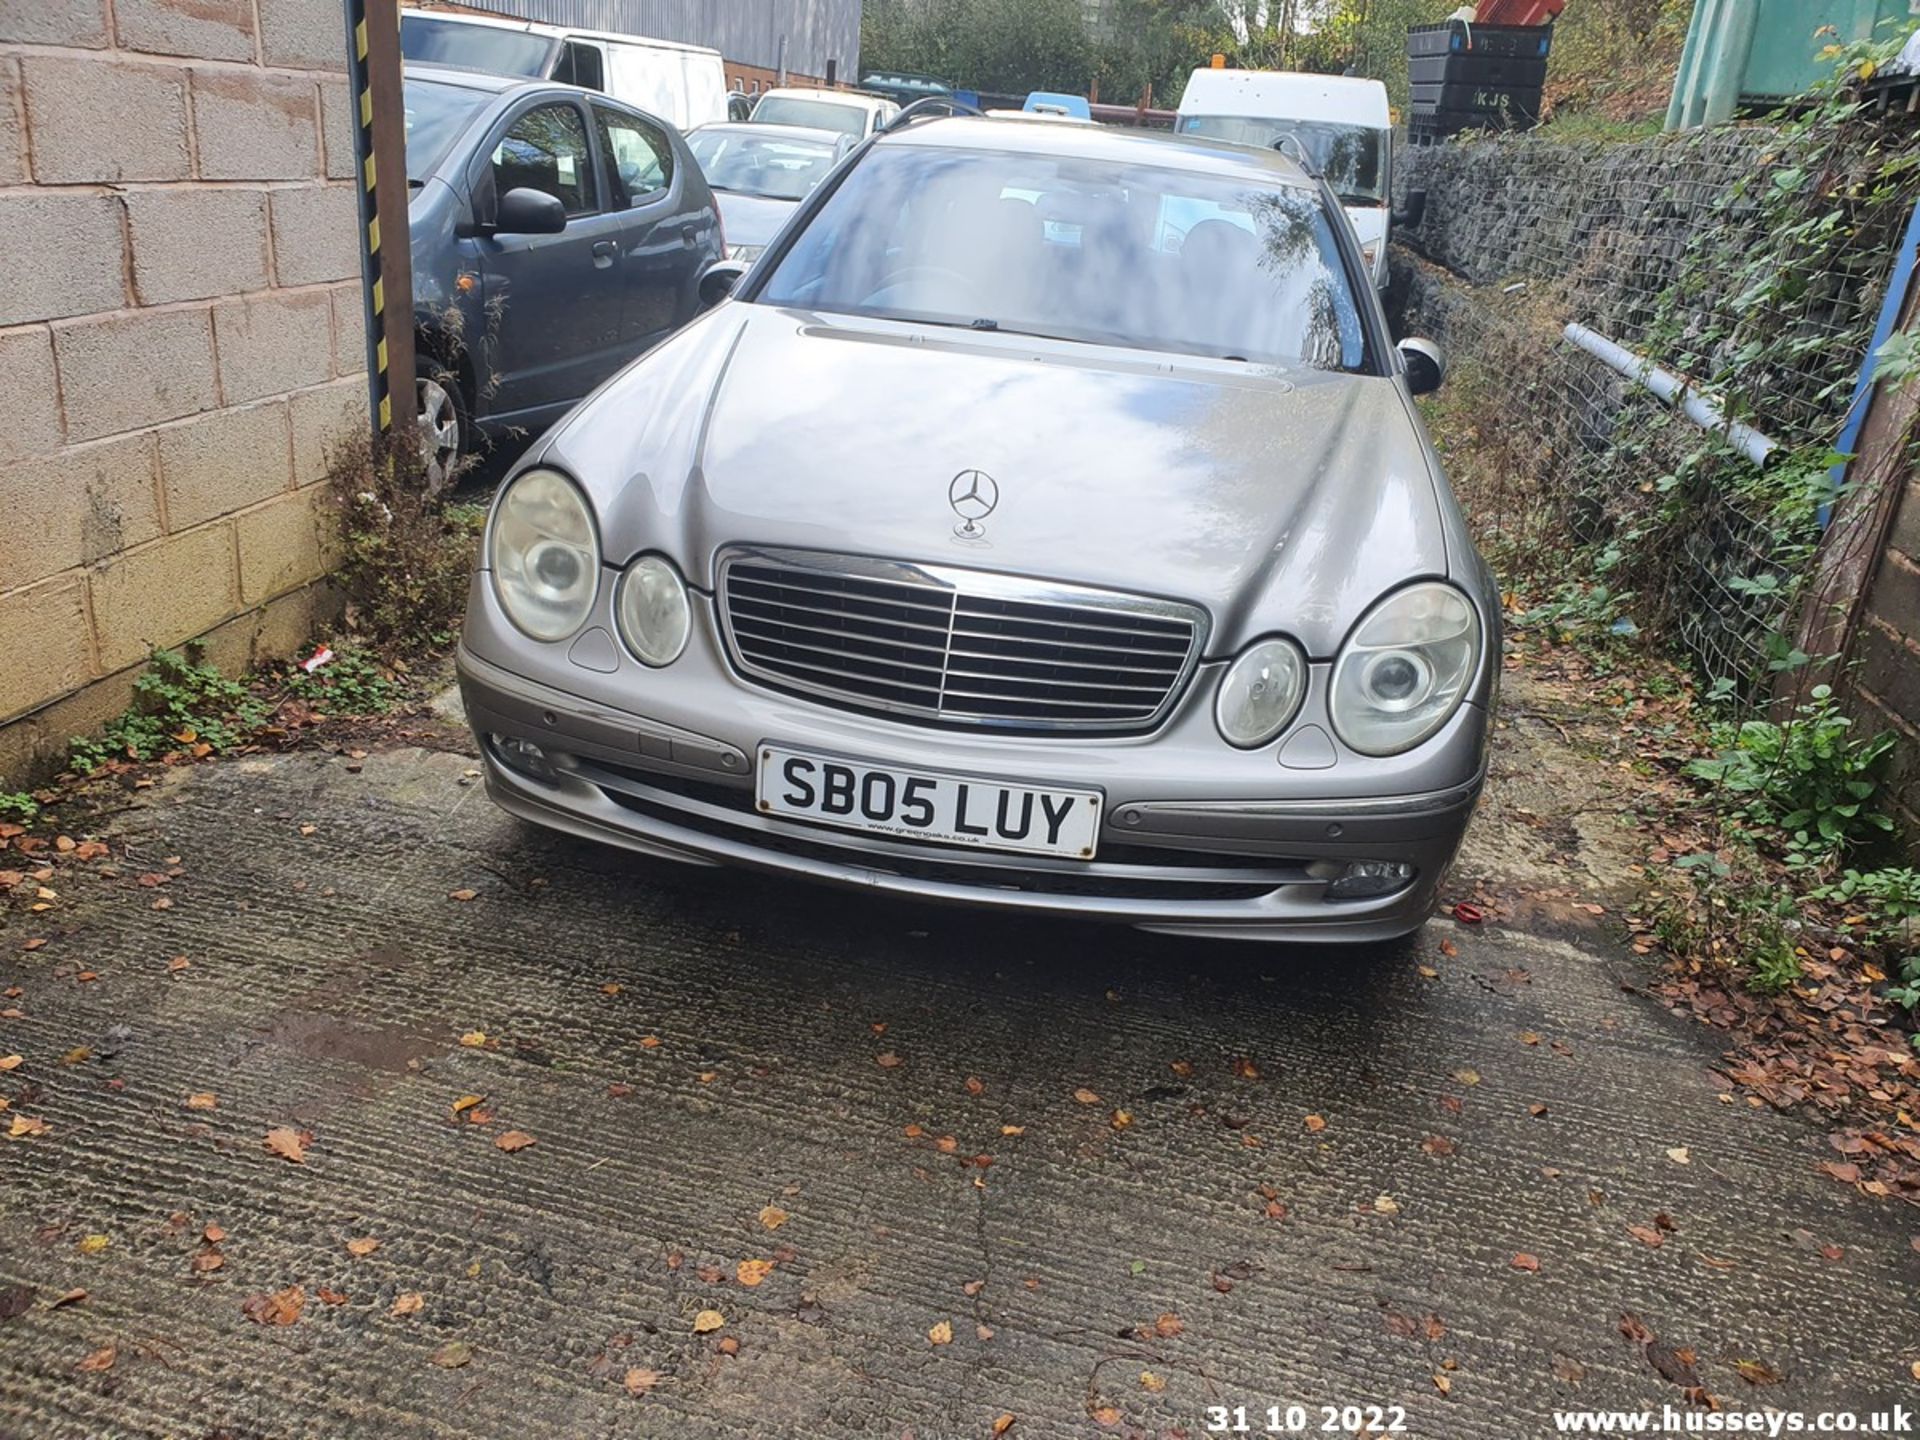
x=1890 y=667
x=105 y=120
x=192 y=244
x=162 y=594
x=81 y=23
x=303 y=34
x=218 y=463
x=1906 y=523
x=33 y=399
x=322 y=419
x=280 y=544
x=44 y=649
x=1895 y=597
x=64 y=256
x=274 y=342
x=13 y=133
x=128 y=371
x=77 y=506
x=204 y=29
x=337 y=127
x=349 y=329
x=255 y=126
x=316 y=234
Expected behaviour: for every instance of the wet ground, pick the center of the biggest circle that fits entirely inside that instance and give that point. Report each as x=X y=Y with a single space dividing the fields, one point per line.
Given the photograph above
x=1093 y=1181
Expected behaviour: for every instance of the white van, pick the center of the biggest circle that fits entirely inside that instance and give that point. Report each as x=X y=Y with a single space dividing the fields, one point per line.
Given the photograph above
x=848 y=111
x=685 y=85
x=1341 y=124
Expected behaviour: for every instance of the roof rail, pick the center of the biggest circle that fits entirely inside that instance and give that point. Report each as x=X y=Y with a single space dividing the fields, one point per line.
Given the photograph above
x=927 y=109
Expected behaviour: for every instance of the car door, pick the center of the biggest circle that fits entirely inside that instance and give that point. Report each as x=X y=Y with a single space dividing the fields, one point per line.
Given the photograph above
x=669 y=230
x=551 y=303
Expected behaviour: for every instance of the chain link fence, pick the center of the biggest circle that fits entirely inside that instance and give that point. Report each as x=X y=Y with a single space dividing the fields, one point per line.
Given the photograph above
x=1752 y=261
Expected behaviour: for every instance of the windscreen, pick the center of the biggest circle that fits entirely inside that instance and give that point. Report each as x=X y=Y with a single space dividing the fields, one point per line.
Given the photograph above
x=819 y=114
x=494 y=49
x=778 y=167
x=1347 y=155
x=1099 y=251
x=436 y=116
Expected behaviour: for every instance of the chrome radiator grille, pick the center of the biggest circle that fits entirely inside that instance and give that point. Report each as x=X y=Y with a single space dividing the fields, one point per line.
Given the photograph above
x=953 y=646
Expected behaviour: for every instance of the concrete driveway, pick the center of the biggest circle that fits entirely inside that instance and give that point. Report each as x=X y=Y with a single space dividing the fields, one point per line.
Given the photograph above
x=1093 y=1181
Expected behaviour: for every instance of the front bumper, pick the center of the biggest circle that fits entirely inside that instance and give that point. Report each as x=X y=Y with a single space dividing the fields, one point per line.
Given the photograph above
x=1179 y=853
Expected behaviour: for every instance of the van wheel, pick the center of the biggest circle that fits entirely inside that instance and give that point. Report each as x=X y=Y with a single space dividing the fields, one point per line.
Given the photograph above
x=445 y=429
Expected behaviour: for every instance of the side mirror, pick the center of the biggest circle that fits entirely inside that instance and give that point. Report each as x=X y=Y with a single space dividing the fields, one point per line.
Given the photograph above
x=1426 y=365
x=717 y=281
x=1415 y=210
x=525 y=211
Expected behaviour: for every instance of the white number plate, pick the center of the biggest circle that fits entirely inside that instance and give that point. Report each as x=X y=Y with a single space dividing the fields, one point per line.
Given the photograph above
x=916 y=805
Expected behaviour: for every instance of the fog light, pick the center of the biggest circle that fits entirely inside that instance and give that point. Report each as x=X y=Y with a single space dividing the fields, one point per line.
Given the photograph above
x=522 y=755
x=1364 y=879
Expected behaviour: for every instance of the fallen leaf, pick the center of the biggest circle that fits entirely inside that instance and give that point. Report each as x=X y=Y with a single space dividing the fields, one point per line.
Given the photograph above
x=362 y=1246
x=1678 y=1154
x=984 y=1332
x=612 y=987
x=638 y=1381
x=727 y=1345
x=708 y=1321
x=1536 y=1111
x=101 y=1359
x=213 y=1234
x=463 y=896
x=466 y=1103
x=26 y=1126
x=1013 y=1129
x=752 y=1272
x=473 y=1039
x=1758 y=1372
x=1385 y=1205
x=1121 y=1119
x=975 y=1085
x=1529 y=1037
x=941 y=1333
x=329 y=1297
x=1246 y=1070
x=1315 y=1124
x=93 y=1244
x=1437 y=1145
x=1168 y=1325
x=1647 y=1236
x=1151 y=1382
x=277 y=1307
x=512 y=1140
x=1568 y=1369
x=452 y=1355
x=1427 y=972
x=408 y=1302
x=1086 y=1096
x=204 y=1262
x=1831 y=1252
x=1182 y=1068
x=773 y=1217
x=71 y=1297
x=1467 y=1075
x=887 y=1060
x=649 y=1042
x=203 y=1100
x=11 y=1062
x=1443 y=1384
x=1524 y=1261
x=1108 y=1415
x=288 y=1143
x=1002 y=1424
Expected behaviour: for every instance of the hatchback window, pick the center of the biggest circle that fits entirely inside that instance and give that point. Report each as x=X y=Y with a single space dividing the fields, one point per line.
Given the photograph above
x=1101 y=251
x=639 y=159
x=546 y=149
x=819 y=114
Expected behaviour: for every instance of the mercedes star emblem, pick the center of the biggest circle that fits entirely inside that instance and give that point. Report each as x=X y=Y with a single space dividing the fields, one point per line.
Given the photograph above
x=973 y=496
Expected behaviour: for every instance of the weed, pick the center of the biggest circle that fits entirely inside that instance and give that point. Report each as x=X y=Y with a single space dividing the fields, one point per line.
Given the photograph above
x=352 y=683
x=18 y=806
x=179 y=701
x=1887 y=900
x=1730 y=910
x=406 y=559
x=1806 y=780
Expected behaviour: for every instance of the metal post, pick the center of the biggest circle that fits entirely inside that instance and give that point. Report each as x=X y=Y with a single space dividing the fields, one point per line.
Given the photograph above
x=386 y=270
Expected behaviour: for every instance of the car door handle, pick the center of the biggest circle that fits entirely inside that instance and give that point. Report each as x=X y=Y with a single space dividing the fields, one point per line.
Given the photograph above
x=603 y=253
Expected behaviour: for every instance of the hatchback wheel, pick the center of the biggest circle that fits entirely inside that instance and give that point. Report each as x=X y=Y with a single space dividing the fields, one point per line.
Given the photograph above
x=443 y=430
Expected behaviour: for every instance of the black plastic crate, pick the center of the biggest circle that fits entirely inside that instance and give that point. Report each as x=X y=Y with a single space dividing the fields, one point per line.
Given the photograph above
x=1429 y=126
x=1519 y=102
x=1456 y=37
x=1477 y=69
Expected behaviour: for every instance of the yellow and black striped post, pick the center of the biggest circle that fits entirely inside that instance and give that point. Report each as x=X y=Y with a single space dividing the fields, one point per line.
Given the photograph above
x=380 y=154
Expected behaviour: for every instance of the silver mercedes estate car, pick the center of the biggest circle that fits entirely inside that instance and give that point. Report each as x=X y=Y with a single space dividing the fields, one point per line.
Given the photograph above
x=1043 y=524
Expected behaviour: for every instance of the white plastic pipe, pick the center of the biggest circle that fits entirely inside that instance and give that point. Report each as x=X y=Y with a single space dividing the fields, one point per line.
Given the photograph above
x=1674 y=389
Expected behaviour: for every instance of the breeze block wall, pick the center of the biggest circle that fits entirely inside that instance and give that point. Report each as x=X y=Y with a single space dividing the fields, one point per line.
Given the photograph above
x=180 y=341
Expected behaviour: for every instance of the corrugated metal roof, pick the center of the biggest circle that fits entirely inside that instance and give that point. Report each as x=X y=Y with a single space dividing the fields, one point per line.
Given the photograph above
x=747 y=31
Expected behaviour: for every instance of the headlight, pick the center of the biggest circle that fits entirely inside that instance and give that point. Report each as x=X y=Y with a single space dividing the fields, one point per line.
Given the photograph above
x=651 y=608
x=543 y=554
x=1260 y=693
x=1405 y=669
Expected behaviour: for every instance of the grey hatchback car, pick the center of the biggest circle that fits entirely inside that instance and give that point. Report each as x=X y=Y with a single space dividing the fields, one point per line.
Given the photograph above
x=556 y=234
x=1044 y=524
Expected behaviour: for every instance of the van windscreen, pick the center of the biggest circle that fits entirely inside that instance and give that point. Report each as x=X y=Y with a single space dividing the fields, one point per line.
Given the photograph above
x=493 y=49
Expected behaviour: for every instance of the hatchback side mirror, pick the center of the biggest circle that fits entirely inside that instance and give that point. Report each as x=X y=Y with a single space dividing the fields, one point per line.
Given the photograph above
x=1414 y=211
x=526 y=211
x=1426 y=365
x=717 y=281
